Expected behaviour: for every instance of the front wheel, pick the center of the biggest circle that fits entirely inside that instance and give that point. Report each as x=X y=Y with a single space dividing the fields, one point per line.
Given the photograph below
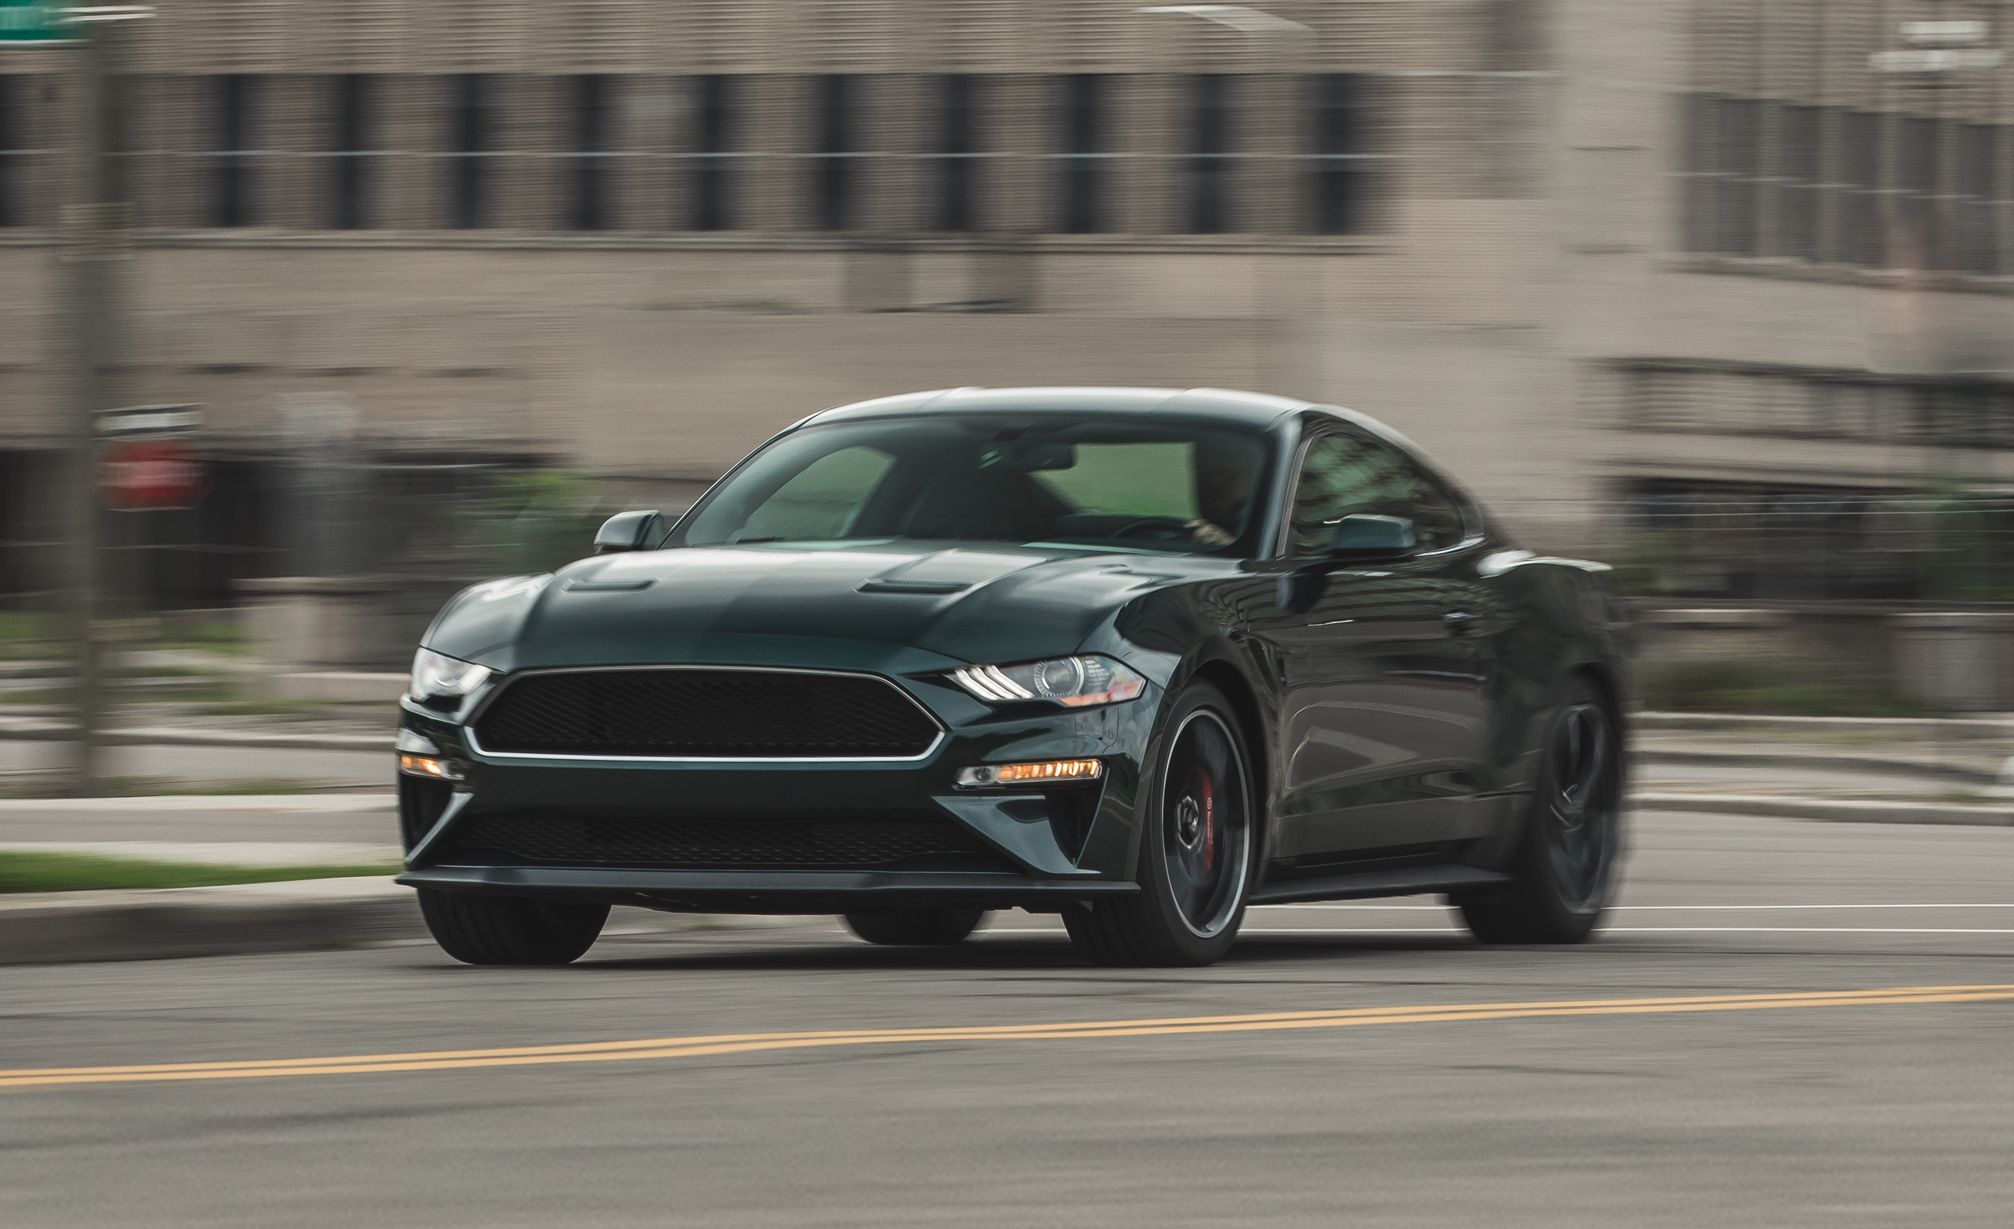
x=1567 y=866
x=510 y=929
x=915 y=927
x=1197 y=840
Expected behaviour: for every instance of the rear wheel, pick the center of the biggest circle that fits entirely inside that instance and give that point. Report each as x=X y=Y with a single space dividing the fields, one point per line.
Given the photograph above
x=510 y=929
x=1196 y=849
x=1566 y=869
x=915 y=927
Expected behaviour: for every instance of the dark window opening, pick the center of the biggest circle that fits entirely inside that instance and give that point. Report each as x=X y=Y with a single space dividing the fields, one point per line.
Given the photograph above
x=714 y=105
x=955 y=153
x=1979 y=236
x=1083 y=153
x=235 y=98
x=1337 y=169
x=13 y=143
x=1740 y=149
x=1917 y=240
x=470 y=104
x=1859 y=239
x=588 y=209
x=1796 y=179
x=835 y=151
x=1210 y=154
x=349 y=180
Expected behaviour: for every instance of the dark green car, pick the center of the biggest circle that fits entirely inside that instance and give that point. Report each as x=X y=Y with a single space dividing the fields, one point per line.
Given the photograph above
x=1142 y=658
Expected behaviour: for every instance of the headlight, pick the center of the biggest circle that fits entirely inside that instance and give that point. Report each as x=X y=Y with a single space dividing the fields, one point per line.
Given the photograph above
x=1074 y=682
x=437 y=676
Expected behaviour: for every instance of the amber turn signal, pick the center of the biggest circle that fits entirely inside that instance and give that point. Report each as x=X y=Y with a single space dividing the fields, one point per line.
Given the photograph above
x=1037 y=773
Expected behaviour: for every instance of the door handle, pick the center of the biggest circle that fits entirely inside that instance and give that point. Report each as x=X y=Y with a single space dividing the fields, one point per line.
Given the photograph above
x=1458 y=622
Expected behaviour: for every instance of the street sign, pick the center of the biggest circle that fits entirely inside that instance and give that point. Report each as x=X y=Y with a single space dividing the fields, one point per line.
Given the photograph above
x=148 y=462
x=151 y=475
x=150 y=420
x=35 y=23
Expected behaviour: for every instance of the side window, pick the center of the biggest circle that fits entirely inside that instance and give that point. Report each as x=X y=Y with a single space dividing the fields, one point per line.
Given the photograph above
x=1345 y=473
x=822 y=500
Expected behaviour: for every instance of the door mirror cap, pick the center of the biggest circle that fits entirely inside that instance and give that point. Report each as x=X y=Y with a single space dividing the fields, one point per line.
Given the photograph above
x=1364 y=536
x=626 y=531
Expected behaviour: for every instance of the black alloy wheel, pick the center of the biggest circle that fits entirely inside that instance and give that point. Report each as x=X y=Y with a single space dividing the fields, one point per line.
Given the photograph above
x=1198 y=839
x=1567 y=867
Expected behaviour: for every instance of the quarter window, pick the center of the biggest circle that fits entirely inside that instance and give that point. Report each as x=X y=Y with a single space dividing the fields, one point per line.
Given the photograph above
x=1345 y=474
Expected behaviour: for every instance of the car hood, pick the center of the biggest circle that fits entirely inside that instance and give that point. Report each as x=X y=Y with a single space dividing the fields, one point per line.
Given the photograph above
x=841 y=606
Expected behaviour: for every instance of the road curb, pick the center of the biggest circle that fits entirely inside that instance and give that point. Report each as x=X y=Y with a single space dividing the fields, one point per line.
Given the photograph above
x=1840 y=810
x=302 y=915
x=1650 y=755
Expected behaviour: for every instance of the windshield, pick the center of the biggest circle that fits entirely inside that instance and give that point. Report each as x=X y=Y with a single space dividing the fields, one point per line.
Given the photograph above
x=1116 y=483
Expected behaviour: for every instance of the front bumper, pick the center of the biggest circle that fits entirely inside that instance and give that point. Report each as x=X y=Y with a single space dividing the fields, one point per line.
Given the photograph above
x=1033 y=848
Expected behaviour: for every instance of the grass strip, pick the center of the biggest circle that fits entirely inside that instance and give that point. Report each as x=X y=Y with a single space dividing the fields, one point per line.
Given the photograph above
x=76 y=872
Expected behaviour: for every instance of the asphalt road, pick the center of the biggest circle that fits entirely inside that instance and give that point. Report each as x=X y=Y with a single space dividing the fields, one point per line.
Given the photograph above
x=1637 y=1105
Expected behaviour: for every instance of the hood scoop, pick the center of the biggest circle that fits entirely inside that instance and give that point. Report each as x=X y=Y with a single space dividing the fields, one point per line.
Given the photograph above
x=936 y=588
x=584 y=585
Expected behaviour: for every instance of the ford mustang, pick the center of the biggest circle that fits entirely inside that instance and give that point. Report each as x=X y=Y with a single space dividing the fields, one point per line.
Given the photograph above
x=1142 y=658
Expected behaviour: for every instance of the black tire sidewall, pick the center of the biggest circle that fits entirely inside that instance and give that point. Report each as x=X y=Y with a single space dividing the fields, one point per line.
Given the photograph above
x=1156 y=899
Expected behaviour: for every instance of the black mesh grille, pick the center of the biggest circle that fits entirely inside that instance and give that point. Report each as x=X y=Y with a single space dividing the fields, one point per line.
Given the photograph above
x=916 y=843
x=729 y=714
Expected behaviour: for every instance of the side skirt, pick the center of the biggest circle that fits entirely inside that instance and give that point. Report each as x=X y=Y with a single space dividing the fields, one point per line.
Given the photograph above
x=1396 y=881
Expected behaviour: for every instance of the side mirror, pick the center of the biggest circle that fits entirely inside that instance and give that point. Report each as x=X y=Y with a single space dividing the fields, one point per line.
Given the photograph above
x=1365 y=537
x=629 y=531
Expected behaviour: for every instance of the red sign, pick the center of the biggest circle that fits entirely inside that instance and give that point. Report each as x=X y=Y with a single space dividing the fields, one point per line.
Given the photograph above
x=151 y=475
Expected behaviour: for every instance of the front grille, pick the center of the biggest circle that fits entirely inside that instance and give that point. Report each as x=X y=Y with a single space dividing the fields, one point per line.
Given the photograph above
x=740 y=843
x=708 y=714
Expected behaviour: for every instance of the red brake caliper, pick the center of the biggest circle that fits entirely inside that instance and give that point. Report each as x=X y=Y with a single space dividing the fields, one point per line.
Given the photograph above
x=1209 y=824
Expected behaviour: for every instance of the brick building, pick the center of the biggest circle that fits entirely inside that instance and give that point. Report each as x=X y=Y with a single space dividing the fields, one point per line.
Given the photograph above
x=1598 y=256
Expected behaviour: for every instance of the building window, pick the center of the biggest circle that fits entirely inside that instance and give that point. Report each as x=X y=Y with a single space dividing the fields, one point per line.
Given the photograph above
x=469 y=103
x=1740 y=150
x=13 y=147
x=587 y=164
x=1209 y=153
x=1916 y=243
x=236 y=95
x=955 y=152
x=1794 y=178
x=833 y=158
x=713 y=105
x=1336 y=170
x=1084 y=155
x=349 y=163
x=1978 y=239
x=1857 y=236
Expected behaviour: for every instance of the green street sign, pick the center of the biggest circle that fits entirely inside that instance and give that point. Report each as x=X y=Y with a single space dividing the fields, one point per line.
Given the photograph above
x=35 y=23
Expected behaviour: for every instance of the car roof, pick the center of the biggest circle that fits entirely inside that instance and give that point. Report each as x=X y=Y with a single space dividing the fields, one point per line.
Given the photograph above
x=1213 y=404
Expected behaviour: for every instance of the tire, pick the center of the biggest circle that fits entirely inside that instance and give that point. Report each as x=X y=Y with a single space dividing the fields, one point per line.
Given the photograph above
x=1198 y=845
x=915 y=927
x=1567 y=865
x=510 y=929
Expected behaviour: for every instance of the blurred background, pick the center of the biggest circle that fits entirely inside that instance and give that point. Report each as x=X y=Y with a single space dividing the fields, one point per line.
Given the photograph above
x=401 y=294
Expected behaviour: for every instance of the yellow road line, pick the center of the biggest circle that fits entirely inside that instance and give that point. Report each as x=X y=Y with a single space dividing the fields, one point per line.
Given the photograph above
x=703 y=1046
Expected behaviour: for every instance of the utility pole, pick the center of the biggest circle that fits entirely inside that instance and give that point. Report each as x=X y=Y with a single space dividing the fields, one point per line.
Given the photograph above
x=96 y=245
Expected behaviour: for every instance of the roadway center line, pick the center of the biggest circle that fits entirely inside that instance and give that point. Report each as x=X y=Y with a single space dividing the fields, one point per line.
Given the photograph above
x=1629 y=930
x=706 y=1046
x=1644 y=908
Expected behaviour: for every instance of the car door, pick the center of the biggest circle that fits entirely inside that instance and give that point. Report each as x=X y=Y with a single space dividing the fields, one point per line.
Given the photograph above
x=1382 y=669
